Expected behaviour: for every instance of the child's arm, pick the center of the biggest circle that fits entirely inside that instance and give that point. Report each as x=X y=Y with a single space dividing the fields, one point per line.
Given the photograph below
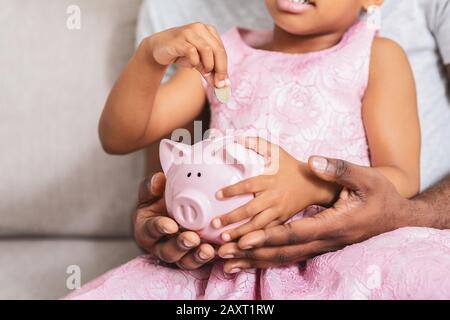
x=391 y=118
x=139 y=109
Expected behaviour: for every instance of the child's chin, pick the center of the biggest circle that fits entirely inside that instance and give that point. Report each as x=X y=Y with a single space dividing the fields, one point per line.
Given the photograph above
x=296 y=28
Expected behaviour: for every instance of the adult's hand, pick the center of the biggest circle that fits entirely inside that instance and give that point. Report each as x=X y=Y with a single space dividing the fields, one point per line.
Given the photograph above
x=160 y=235
x=369 y=205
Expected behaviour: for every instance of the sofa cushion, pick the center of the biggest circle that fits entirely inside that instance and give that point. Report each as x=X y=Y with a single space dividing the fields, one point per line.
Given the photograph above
x=55 y=178
x=37 y=268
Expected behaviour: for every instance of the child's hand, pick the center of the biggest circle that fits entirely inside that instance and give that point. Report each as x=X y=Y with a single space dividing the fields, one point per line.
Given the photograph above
x=196 y=46
x=279 y=196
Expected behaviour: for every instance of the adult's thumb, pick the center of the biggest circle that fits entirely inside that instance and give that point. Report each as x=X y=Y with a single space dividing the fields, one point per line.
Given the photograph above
x=346 y=174
x=152 y=189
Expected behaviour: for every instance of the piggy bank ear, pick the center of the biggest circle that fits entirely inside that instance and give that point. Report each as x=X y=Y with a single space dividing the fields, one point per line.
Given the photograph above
x=248 y=162
x=171 y=152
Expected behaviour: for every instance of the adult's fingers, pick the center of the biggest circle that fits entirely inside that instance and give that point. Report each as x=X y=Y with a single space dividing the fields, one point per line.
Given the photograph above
x=160 y=226
x=174 y=249
x=151 y=205
x=258 y=222
x=296 y=232
x=238 y=265
x=152 y=189
x=346 y=174
x=149 y=230
x=197 y=258
x=273 y=257
x=267 y=258
x=279 y=254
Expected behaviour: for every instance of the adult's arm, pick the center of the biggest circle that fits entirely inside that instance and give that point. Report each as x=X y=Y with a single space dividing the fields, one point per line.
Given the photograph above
x=369 y=205
x=432 y=207
x=448 y=73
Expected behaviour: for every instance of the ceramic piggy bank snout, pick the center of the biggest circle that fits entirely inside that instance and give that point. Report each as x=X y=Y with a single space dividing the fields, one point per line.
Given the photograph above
x=195 y=174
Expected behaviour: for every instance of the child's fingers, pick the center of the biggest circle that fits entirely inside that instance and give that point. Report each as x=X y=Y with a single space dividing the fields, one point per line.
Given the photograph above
x=193 y=59
x=249 y=186
x=197 y=258
x=220 y=61
x=189 y=56
x=220 y=68
x=201 y=48
x=249 y=210
x=212 y=53
x=220 y=57
x=258 y=222
x=204 y=49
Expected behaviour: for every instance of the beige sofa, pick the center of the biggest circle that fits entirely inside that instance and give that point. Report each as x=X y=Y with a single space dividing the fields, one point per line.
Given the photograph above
x=63 y=201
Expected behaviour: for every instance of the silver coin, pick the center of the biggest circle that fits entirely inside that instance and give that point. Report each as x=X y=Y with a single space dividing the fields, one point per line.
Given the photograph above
x=223 y=94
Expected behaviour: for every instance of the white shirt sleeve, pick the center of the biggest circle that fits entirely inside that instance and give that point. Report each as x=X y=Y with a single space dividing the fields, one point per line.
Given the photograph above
x=144 y=23
x=440 y=27
x=146 y=26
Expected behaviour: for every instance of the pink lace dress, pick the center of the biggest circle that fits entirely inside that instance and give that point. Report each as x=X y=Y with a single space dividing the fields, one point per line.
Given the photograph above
x=311 y=103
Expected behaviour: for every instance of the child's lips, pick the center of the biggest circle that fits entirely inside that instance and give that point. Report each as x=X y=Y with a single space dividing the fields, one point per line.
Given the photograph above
x=295 y=6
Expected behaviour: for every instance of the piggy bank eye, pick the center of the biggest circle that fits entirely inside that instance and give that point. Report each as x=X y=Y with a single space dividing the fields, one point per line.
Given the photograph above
x=199 y=174
x=189 y=174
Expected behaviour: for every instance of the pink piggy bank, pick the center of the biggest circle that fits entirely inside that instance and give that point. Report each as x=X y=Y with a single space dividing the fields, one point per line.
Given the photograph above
x=194 y=175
